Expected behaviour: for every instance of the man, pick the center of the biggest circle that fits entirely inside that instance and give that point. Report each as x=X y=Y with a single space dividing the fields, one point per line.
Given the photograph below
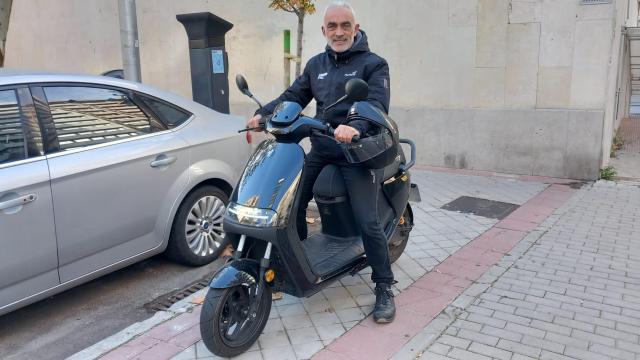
x=346 y=56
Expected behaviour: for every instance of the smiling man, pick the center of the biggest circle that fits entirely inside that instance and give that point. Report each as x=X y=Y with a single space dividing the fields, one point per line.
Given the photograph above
x=346 y=56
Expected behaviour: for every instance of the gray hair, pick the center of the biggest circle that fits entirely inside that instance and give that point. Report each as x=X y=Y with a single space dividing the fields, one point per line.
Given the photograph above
x=339 y=4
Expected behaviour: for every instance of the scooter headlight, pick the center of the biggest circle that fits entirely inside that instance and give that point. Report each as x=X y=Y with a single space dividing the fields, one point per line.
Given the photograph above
x=251 y=216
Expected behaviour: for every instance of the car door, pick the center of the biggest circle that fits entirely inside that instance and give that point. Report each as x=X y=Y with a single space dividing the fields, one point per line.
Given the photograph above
x=112 y=167
x=28 y=259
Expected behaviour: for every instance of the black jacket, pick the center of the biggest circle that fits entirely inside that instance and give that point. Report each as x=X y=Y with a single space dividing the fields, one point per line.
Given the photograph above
x=324 y=78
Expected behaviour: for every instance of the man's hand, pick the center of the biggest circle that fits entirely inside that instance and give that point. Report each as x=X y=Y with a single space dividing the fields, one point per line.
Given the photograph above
x=254 y=122
x=345 y=133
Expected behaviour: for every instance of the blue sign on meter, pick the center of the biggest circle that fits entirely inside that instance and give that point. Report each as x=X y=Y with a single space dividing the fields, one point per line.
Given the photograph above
x=217 y=61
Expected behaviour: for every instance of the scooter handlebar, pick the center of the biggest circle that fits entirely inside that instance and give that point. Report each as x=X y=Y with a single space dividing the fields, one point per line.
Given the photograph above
x=262 y=125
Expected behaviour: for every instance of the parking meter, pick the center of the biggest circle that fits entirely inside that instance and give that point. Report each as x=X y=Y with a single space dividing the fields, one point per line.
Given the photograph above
x=208 y=58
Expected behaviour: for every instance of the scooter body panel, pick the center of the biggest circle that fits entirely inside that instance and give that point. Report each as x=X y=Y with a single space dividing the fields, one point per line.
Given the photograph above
x=270 y=177
x=396 y=192
x=239 y=272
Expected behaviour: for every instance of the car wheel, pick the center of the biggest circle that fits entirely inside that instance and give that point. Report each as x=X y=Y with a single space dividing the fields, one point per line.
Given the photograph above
x=196 y=236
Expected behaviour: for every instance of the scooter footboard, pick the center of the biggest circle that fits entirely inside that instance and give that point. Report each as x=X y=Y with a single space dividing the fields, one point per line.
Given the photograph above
x=239 y=272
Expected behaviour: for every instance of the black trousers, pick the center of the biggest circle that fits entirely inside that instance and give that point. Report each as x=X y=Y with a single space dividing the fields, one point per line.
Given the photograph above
x=363 y=188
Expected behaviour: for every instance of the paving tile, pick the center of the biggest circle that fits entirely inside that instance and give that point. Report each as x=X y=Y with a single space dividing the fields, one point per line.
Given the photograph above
x=187 y=354
x=296 y=322
x=272 y=340
x=279 y=353
x=308 y=349
x=330 y=332
x=352 y=314
x=299 y=336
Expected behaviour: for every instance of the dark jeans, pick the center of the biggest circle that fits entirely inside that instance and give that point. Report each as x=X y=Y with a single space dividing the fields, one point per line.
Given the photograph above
x=363 y=188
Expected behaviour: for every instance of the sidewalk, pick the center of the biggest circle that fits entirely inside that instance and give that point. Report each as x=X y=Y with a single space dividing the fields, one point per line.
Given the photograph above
x=559 y=278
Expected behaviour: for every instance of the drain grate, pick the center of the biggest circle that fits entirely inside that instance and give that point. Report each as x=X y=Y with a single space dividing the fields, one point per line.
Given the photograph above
x=164 y=302
x=481 y=207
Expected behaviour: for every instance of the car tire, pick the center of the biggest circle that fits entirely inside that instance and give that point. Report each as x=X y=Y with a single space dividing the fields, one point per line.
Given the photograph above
x=196 y=235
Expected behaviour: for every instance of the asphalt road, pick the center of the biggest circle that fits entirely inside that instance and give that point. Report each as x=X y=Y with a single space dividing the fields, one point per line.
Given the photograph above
x=62 y=325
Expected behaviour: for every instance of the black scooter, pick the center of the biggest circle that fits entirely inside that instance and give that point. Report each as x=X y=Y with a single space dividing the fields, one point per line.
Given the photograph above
x=260 y=222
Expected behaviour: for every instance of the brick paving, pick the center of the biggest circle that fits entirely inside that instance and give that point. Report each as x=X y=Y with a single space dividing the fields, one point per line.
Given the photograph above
x=575 y=294
x=559 y=278
x=299 y=328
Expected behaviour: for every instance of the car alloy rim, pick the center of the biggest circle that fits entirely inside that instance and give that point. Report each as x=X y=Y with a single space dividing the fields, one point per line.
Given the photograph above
x=203 y=230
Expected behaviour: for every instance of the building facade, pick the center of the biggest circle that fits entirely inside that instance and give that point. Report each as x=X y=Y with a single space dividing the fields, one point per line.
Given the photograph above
x=531 y=87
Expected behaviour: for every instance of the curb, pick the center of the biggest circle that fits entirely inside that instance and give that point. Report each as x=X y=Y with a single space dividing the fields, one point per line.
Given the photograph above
x=133 y=331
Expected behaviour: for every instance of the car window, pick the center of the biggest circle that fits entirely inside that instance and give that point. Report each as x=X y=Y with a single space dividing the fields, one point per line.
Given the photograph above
x=171 y=115
x=85 y=116
x=12 y=140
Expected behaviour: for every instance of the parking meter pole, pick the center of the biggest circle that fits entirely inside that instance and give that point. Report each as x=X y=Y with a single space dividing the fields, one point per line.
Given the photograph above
x=287 y=58
x=129 y=40
x=208 y=58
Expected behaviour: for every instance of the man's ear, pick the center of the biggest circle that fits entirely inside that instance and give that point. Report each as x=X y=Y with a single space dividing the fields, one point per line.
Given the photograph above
x=322 y=27
x=357 y=28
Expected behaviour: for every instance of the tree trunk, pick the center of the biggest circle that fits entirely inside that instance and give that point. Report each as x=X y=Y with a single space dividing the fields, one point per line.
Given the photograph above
x=5 y=12
x=299 y=43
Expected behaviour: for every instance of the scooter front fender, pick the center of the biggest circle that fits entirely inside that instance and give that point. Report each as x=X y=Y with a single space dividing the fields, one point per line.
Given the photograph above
x=238 y=272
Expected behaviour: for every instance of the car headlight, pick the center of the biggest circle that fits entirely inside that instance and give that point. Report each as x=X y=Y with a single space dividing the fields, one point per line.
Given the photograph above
x=251 y=216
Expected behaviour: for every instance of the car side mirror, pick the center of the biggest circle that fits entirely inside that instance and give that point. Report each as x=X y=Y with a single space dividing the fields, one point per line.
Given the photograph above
x=356 y=90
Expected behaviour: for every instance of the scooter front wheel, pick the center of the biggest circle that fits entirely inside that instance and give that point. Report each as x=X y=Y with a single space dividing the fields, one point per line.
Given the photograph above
x=227 y=327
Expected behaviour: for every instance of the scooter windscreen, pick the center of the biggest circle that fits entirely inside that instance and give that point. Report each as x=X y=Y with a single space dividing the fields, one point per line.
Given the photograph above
x=266 y=189
x=374 y=152
x=286 y=113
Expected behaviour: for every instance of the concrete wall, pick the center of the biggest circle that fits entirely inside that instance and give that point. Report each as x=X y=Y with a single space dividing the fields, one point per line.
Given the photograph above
x=531 y=78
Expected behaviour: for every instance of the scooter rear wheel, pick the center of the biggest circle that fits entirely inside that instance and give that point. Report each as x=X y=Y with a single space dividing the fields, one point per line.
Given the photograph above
x=226 y=326
x=401 y=237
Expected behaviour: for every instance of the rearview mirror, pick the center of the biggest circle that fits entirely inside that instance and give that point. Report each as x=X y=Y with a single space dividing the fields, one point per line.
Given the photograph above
x=242 y=85
x=356 y=90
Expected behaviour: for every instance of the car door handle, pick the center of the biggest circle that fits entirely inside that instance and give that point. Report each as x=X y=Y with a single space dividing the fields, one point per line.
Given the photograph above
x=163 y=160
x=22 y=200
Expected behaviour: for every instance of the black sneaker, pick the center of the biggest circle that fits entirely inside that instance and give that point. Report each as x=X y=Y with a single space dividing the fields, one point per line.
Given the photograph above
x=385 y=309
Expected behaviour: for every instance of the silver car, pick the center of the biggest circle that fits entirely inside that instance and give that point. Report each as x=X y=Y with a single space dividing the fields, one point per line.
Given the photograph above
x=97 y=173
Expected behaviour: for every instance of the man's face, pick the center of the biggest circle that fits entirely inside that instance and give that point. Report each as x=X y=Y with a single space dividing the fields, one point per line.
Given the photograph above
x=340 y=29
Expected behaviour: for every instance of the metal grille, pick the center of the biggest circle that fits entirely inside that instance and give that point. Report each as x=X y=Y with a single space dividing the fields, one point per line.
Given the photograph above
x=594 y=2
x=481 y=207
x=629 y=132
x=164 y=302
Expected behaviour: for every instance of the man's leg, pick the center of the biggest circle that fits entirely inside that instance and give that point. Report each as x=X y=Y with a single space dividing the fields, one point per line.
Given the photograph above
x=363 y=187
x=312 y=167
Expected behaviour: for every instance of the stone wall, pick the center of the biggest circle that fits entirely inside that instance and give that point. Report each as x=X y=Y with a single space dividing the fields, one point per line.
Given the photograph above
x=497 y=66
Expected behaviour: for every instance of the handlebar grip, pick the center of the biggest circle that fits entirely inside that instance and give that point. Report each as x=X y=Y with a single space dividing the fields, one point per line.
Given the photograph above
x=331 y=131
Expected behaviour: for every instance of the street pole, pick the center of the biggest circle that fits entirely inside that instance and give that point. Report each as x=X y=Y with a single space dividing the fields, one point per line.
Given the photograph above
x=287 y=58
x=129 y=39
